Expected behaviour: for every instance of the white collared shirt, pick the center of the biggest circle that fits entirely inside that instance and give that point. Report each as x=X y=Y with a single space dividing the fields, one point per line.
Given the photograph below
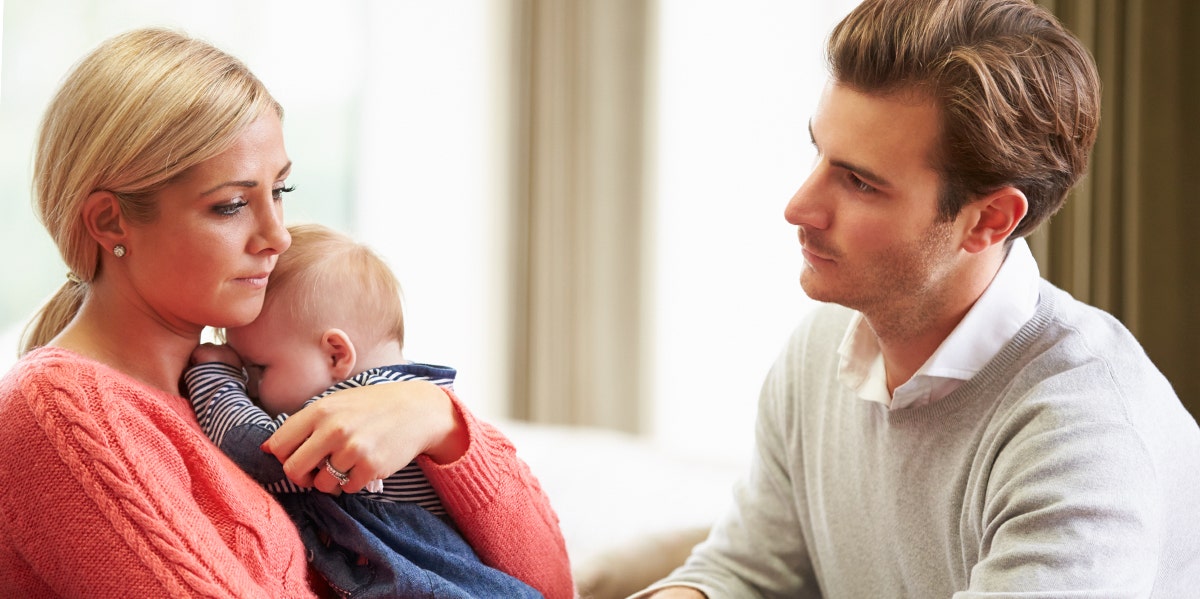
x=1005 y=306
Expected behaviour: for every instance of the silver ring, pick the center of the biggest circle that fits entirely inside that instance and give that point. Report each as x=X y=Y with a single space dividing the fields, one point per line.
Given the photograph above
x=342 y=477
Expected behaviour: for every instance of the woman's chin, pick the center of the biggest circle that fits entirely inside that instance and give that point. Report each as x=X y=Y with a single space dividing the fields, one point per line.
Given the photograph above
x=233 y=320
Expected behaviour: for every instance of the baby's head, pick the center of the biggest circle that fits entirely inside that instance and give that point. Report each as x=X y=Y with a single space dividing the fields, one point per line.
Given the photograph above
x=333 y=309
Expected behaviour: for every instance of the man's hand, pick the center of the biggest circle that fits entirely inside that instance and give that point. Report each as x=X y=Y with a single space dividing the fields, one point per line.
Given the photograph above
x=211 y=352
x=678 y=593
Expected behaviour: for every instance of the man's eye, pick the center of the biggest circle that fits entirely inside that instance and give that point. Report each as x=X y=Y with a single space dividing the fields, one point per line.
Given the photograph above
x=859 y=184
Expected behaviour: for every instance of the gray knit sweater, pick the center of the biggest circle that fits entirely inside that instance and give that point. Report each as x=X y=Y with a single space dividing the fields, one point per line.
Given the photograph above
x=1066 y=468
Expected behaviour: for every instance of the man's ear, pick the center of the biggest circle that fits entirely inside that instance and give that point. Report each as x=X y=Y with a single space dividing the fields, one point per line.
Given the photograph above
x=340 y=350
x=102 y=216
x=993 y=218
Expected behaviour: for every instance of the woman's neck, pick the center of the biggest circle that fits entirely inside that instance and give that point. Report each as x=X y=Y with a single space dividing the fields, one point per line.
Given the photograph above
x=129 y=340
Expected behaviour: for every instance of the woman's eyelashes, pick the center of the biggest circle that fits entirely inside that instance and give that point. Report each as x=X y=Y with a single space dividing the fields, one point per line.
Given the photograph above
x=278 y=192
x=235 y=206
x=230 y=208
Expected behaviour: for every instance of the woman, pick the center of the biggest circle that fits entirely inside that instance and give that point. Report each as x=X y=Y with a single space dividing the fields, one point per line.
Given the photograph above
x=159 y=173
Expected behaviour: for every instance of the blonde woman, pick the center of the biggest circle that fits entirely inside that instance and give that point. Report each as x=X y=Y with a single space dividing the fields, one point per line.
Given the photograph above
x=159 y=173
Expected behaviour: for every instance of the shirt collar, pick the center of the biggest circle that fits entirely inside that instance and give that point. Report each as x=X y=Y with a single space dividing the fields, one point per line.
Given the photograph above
x=1009 y=301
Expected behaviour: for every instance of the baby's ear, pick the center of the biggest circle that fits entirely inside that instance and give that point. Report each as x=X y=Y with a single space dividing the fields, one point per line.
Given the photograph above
x=340 y=351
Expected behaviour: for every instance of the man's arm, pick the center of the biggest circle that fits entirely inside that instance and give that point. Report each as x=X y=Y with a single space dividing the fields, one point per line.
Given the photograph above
x=1075 y=506
x=757 y=549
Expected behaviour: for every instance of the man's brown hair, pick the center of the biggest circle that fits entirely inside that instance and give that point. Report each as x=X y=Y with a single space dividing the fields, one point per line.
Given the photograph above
x=1019 y=95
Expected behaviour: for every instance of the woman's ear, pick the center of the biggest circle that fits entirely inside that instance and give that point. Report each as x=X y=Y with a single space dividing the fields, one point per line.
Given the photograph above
x=102 y=216
x=340 y=352
x=995 y=216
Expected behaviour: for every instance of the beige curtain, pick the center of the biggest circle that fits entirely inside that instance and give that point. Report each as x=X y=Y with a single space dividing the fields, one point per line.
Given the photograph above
x=1124 y=240
x=578 y=155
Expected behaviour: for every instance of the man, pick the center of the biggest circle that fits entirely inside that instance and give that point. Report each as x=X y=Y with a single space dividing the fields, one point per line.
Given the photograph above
x=950 y=424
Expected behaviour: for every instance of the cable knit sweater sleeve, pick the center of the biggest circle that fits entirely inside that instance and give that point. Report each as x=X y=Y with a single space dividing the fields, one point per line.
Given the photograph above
x=502 y=511
x=108 y=488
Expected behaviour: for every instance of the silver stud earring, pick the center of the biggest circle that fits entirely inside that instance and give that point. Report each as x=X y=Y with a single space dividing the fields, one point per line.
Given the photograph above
x=119 y=250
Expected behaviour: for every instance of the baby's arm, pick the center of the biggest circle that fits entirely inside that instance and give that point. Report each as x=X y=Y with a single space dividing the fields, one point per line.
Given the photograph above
x=211 y=352
x=216 y=385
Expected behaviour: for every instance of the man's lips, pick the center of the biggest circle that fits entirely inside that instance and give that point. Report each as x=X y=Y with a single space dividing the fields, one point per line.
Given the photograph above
x=814 y=258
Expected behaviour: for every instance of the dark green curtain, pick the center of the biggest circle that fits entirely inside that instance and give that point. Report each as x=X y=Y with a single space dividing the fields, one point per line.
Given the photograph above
x=1124 y=240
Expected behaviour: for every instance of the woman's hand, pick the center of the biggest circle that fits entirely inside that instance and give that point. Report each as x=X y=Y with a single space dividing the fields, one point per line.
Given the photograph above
x=368 y=433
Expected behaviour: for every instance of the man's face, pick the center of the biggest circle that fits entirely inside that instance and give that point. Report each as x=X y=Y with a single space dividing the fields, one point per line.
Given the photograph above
x=867 y=215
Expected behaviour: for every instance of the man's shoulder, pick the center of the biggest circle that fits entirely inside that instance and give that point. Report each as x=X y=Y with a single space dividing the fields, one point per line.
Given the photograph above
x=1086 y=367
x=1087 y=341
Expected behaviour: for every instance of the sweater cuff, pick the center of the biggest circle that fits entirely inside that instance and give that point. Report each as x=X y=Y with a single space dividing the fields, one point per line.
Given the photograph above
x=477 y=477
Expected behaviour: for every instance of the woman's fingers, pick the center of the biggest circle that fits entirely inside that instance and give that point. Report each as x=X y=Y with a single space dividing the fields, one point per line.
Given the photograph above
x=340 y=478
x=361 y=431
x=367 y=433
x=284 y=442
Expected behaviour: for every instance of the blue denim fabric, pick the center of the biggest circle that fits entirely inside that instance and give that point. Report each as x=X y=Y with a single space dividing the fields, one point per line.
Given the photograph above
x=371 y=549
x=242 y=444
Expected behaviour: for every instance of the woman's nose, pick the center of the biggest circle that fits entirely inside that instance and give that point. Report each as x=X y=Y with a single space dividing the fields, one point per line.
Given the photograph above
x=272 y=236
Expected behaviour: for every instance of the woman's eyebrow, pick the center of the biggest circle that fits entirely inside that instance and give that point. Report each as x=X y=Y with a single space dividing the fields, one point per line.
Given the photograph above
x=249 y=183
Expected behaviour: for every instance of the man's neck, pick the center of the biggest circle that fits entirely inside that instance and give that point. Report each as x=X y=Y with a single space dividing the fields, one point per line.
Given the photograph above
x=910 y=331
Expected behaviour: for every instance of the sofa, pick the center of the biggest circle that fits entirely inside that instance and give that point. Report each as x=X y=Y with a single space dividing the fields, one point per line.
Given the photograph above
x=630 y=509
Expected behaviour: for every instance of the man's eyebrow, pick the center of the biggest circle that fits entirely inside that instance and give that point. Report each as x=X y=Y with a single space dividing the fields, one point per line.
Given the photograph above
x=863 y=173
x=248 y=183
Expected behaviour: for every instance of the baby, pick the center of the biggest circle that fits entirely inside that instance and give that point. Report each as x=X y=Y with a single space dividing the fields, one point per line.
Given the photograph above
x=333 y=319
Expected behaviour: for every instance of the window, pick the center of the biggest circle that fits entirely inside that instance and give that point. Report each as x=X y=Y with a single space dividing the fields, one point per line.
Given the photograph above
x=736 y=84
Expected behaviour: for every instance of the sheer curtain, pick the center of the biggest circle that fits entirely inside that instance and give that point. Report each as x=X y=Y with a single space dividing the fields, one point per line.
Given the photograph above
x=579 y=70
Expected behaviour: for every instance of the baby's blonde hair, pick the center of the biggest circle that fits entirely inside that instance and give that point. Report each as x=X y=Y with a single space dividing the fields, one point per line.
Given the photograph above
x=326 y=279
x=135 y=113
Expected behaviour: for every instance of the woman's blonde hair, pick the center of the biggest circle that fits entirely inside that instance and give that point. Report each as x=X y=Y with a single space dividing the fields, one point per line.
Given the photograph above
x=327 y=279
x=135 y=113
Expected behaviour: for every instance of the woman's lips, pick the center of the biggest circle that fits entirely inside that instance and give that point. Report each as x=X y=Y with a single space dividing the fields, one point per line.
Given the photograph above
x=257 y=280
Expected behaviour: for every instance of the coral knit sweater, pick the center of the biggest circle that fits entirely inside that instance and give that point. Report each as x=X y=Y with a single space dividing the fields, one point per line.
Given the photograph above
x=108 y=488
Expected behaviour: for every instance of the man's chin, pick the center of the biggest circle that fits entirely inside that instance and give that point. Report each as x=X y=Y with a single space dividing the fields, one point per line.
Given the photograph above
x=813 y=289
